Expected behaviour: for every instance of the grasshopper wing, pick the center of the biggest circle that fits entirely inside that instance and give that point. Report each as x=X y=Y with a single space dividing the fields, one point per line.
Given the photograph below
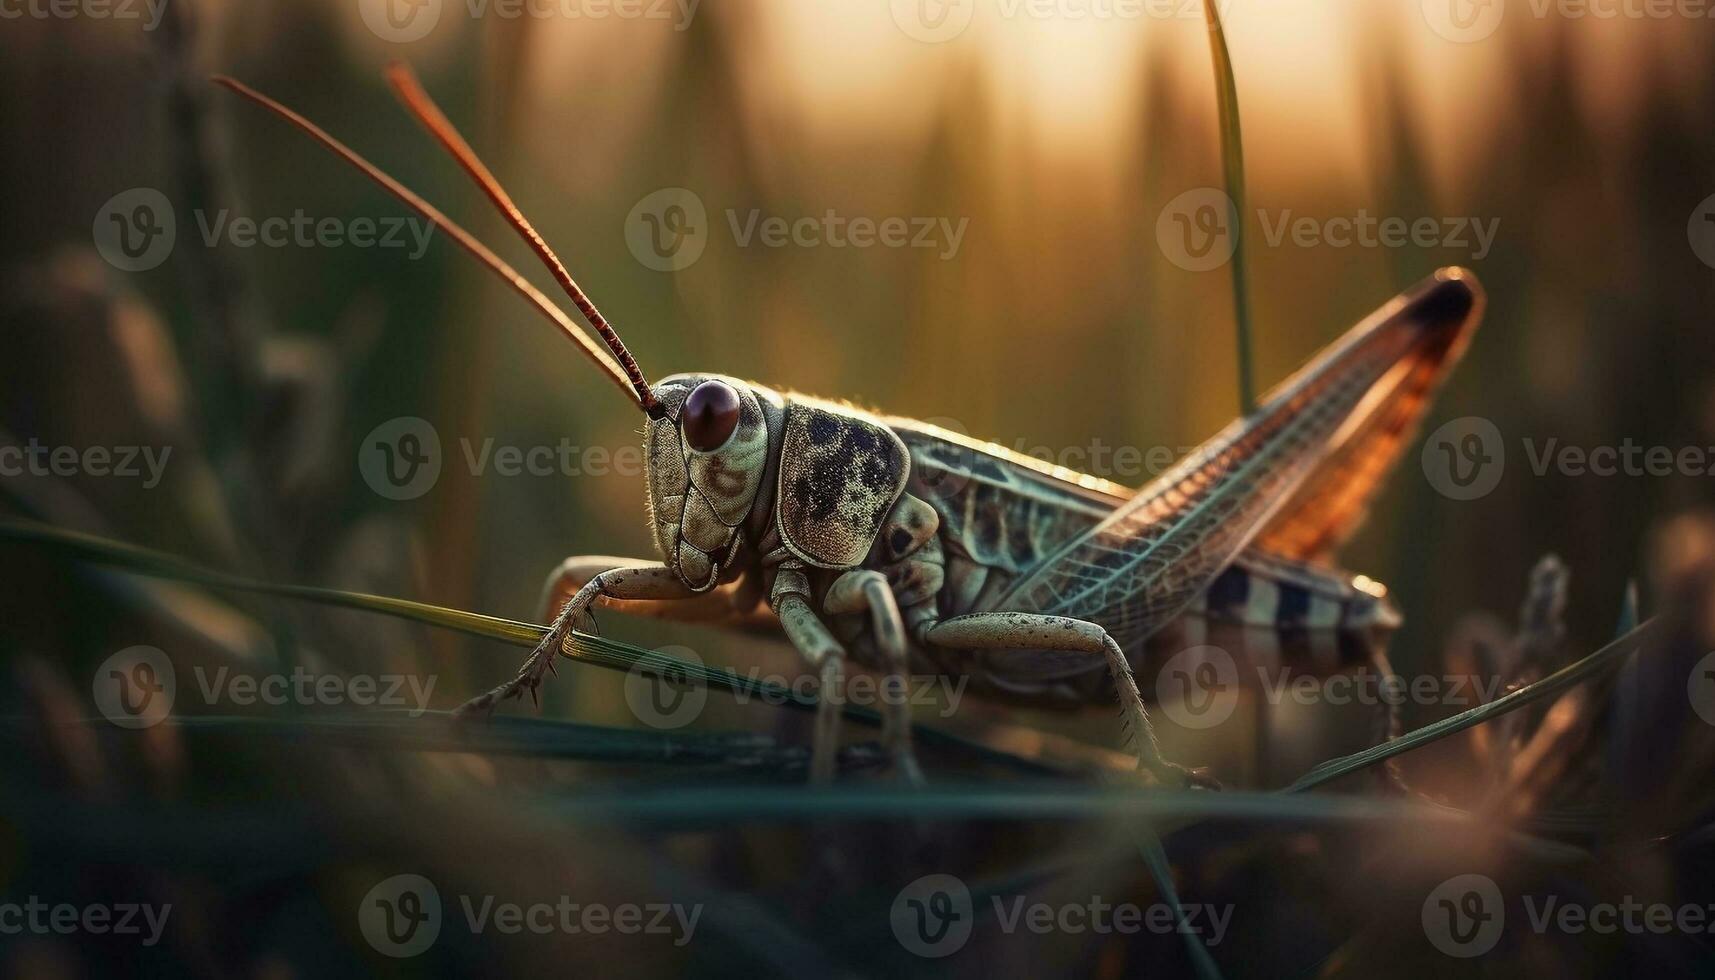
x=1297 y=472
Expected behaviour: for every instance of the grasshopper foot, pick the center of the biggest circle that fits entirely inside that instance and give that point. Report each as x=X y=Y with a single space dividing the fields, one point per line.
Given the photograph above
x=536 y=668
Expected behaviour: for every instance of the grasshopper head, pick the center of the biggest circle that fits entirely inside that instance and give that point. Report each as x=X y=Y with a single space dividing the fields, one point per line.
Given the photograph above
x=706 y=453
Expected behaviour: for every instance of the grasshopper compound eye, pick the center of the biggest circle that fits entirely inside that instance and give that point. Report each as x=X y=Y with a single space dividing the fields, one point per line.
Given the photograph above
x=710 y=415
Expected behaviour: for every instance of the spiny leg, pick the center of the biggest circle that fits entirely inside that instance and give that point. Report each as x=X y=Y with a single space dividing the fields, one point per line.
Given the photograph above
x=867 y=590
x=628 y=582
x=816 y=644
x=1029 y=631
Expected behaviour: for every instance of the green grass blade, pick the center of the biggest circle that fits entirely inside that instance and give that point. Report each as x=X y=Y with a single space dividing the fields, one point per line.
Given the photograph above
x=597 y=650
x=1233 y=166
x=1155 y=858
x=1555 y=683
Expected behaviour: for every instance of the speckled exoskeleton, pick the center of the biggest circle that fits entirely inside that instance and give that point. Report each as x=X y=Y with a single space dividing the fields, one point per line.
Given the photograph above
x=906 y=548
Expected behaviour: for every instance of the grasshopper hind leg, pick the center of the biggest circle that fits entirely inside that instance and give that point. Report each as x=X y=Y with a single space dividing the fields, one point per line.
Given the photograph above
x=1030 y=631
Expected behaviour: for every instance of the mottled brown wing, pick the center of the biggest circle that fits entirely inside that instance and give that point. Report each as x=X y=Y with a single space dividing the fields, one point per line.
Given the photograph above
x=1143 y=565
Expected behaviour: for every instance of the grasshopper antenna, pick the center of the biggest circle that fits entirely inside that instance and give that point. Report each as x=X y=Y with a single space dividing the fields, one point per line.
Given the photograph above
x=417 y=101
x=630 y=380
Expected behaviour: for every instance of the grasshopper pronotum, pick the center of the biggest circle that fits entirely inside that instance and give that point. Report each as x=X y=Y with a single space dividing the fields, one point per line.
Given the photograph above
x=910 y=548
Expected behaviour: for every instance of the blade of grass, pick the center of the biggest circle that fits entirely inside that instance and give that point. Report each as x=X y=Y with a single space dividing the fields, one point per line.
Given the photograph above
x=1155 y=858
x=1233 y=167
x=582 y=647
x=436 y=731
x=1555 y=683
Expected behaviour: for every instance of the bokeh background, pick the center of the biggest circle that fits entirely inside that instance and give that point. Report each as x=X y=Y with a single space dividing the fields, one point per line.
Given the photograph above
x=1059 y=322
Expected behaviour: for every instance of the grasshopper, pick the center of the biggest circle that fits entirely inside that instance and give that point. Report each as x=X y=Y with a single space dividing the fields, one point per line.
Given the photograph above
x=908 y=548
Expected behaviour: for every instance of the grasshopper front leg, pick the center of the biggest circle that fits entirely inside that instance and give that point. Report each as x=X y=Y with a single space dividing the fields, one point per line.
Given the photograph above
x=639 y=581
x=1030 y=631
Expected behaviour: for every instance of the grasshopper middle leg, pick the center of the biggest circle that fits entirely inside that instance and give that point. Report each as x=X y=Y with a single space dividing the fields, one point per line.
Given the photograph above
x=856 y=591
x=1029 y=631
